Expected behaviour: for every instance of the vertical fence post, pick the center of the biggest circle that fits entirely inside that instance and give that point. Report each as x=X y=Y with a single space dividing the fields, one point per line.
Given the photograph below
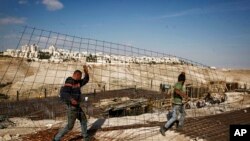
x=17 y=95
x=245 y=88
x=45 y=93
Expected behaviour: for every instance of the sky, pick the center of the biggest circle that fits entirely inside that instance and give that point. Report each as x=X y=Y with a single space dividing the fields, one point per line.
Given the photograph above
x=212 y=32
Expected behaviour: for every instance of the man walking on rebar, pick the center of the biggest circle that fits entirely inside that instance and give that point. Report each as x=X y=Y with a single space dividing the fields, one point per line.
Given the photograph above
x=71 y=94
x=178 y=111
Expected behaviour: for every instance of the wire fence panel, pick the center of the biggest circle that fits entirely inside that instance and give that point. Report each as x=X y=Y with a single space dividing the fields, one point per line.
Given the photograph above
x=128 y=86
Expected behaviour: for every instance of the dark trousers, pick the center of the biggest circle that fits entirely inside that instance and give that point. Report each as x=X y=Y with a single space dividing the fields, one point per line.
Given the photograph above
x=73 y=114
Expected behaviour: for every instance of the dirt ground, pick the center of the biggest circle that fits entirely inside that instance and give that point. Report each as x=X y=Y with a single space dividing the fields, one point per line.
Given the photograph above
x=32 y=78
x=45 y=124
x=241 y=76
x=141 y=127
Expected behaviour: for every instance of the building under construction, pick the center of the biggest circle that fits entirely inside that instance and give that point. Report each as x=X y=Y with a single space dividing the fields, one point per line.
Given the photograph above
x=129 y=93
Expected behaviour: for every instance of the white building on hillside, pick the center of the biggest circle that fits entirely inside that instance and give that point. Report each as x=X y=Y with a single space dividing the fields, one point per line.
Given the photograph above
x=55 y=54
x=27 y=51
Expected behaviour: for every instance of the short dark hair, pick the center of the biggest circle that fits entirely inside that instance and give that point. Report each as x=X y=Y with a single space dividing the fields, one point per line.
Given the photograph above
x=77 y=71
x=182 y=77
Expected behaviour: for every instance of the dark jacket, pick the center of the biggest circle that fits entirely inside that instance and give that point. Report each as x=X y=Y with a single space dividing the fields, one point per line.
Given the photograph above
x=72 y=88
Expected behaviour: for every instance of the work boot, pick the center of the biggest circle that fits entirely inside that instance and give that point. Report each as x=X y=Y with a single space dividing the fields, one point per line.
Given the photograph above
x=176 y=124
x=179 y=128
x=163 y=130
x=54 y=139
x=86 y=138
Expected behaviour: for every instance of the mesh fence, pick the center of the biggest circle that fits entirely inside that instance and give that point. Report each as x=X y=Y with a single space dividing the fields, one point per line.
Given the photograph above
x=129 y=89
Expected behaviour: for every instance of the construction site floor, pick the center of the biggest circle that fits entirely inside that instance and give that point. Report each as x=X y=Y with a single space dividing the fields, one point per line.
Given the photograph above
x=211 y=128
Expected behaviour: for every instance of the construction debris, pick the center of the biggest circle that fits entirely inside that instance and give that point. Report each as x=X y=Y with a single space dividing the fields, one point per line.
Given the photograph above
x=5 y=122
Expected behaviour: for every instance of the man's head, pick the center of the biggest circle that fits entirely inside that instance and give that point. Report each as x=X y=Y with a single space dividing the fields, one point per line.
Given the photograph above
x=77 y=75
x=182 y=77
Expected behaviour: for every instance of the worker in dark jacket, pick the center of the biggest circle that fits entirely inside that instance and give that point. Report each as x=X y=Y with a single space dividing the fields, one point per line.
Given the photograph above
x=72 y=91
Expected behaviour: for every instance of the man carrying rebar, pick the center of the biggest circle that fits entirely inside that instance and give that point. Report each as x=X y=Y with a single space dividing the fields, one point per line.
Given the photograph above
x=178 y=111
x=71 y=94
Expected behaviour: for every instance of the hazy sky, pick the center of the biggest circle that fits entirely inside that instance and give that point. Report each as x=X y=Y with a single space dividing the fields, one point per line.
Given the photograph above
x=212 y=32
